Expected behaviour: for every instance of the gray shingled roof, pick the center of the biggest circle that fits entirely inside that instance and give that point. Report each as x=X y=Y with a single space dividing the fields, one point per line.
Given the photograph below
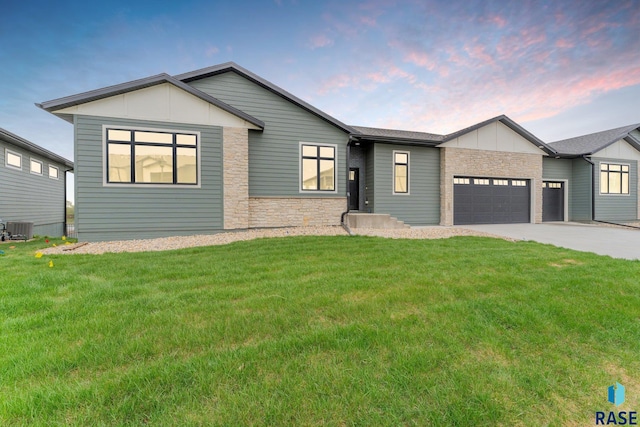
x=594 y=142
x=18 y=141
x=82 y=98
x=435 y=139
x=232 y=66
x=394 y=134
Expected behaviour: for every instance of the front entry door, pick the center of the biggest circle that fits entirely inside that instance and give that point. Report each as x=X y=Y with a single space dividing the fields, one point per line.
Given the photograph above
x=354 y=189
x=552 y=201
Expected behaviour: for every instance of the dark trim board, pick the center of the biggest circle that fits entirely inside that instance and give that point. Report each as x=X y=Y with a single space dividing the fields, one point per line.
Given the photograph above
x=491 y=200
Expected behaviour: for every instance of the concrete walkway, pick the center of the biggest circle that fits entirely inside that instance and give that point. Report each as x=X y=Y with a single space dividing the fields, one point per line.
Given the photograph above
x=616 y=242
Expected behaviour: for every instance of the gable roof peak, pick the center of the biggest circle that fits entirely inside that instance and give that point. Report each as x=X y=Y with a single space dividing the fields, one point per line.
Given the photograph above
x=594 y=142
x=94 y=95
x=232 y=66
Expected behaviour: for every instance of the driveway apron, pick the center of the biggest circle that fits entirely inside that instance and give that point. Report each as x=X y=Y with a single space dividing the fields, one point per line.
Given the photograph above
x=616 y=242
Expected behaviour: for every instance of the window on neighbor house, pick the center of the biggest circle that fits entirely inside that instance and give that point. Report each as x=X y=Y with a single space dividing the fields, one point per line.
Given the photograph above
x=54 y=172
x=36 y=167
x=400 y=172
x=318 y=167
x=614 y=178
x=13 y=160
x=150 y=157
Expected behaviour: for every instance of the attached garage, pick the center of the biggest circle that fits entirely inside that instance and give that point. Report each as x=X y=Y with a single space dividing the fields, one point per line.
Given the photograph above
x=491 y=200
x=553 y=201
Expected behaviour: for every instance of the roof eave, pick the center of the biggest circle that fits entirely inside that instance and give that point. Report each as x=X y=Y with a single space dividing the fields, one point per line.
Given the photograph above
x=396 y=140
x=82 y=98
x=30 y=146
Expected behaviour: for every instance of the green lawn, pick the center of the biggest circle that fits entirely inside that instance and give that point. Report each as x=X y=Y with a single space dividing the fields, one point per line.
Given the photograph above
x=318 y=331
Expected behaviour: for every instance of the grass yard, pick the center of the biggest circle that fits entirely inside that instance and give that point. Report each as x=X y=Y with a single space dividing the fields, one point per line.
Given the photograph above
x=318 y=331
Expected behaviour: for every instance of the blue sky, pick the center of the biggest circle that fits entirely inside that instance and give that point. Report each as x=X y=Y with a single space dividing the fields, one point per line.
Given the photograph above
x=559 y=68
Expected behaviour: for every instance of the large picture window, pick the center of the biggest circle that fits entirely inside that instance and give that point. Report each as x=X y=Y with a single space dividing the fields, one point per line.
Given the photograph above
x=318 y=166
x=150 y=157
x=614 y=178
x=400 y=172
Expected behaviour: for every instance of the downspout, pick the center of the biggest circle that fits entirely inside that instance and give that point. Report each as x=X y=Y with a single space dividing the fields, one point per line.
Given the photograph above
x=593 y=188
x=64 y=211
x=344 y=214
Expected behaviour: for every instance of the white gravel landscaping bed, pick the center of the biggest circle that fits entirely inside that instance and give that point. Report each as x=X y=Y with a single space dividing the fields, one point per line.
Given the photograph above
x=181 y=242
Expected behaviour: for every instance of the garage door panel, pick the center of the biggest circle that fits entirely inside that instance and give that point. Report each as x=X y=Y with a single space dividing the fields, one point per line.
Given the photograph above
x=491 y=204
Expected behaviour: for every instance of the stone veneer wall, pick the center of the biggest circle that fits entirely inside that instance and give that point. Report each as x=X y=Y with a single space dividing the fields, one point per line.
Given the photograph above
x=235 y=148
x=481 y=163
x=290 y=211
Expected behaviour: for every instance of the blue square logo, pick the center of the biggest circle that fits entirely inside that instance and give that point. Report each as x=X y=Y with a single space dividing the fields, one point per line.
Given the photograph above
x=616 y=394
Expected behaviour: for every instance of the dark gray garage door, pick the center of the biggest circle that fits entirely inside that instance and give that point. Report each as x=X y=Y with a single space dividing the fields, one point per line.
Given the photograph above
x=490 y=200
x=552 y=201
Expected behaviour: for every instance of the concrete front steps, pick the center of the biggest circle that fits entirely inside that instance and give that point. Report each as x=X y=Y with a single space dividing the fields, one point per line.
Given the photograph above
x=378 y=221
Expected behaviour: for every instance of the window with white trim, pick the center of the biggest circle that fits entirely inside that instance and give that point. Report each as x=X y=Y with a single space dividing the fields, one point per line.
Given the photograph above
x=318 y=167
x=518 y=183
x=13 y=160
x=463 y=181
x=151 y=157
x=35 y=167
x=614 y=178
x=54 y=172
x=480 y=181
x=400 y=172
x=500 y=182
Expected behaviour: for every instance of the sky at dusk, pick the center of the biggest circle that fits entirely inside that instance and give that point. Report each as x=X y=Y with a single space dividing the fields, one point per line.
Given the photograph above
x=559 y=68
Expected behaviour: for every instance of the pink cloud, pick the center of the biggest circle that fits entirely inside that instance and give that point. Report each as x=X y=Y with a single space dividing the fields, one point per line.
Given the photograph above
x=479 y=52
x=336 y=82
x=564 y=44
x=320 y=41
x=421 y=59
x=497 y=20
x=368 y=20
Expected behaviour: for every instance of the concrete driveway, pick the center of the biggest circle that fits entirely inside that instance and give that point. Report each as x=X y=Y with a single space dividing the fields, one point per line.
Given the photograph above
x=616 y=242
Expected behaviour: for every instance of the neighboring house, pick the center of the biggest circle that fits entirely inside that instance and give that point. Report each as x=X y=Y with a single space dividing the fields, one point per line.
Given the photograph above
x=222 y=149
x=33 y=185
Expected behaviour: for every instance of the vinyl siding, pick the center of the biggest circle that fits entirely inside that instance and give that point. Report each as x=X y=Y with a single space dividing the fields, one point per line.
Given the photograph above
x=422 y=205
x=580 y=194
x=616 y=207
x=274 y=154
x=559 y=169
x=32 y=198
x=113 y=213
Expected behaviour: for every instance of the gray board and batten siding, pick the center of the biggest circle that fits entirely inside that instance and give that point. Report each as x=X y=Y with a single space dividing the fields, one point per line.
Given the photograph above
x=616 y=207
x=120 y=212
x=28 y=197
x=580 y=192
x=370 y=196
x=421 y=206
x=274 y=153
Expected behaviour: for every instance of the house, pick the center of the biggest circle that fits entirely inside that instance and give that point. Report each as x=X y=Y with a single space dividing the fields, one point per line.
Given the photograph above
x=223 y=149
x=33 y=185
x=598 y=175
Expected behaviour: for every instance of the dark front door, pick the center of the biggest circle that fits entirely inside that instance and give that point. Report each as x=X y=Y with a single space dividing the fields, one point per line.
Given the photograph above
x=490 y=200
x=354 y=187
x=552 y=201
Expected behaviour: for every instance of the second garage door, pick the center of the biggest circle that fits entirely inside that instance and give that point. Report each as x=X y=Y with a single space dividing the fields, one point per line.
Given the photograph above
x=491 y=200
